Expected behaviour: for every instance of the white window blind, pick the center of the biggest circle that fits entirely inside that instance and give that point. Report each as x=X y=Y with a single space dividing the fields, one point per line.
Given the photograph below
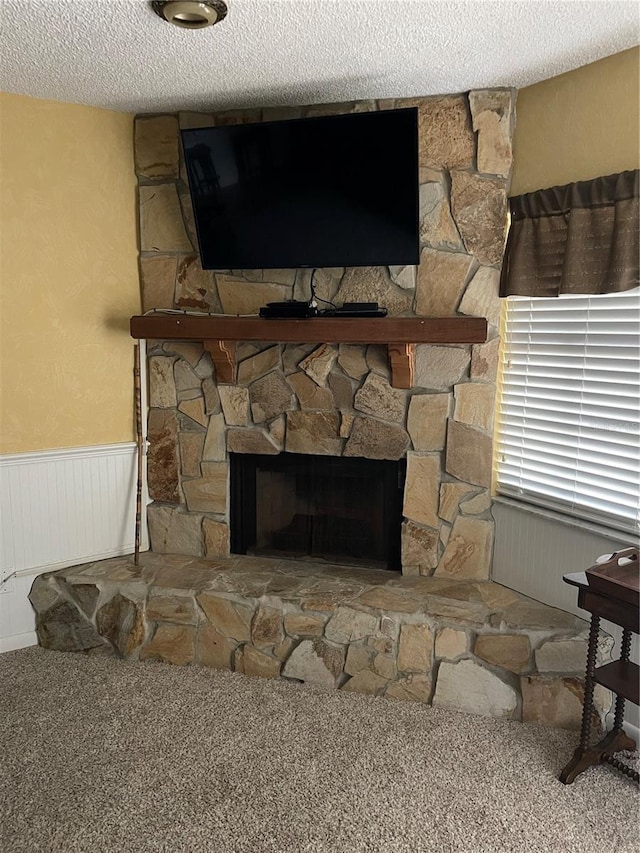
x=568 y=436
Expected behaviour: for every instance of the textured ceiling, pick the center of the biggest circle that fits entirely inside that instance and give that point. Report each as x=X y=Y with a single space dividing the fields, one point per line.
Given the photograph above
x=119 y=54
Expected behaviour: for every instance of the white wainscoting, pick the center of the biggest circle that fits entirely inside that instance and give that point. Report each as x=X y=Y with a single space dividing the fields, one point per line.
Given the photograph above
x=60 y=508
x=534 y=548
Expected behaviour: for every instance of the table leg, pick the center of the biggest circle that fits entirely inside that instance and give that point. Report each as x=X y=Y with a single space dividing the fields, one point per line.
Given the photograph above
x=584 y=757
x=625 y=651
x=616 y=740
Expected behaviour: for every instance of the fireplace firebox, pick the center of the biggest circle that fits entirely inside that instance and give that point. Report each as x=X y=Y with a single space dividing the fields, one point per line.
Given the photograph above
x=339 y=509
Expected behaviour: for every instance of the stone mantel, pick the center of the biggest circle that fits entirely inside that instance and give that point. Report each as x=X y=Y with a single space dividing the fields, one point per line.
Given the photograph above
x=220 y=334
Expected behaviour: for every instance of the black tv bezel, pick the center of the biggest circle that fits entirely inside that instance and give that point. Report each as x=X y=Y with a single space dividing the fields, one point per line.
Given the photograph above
x=312 y=119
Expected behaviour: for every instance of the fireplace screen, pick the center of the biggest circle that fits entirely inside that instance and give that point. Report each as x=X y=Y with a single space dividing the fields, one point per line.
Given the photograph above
x=343 y=510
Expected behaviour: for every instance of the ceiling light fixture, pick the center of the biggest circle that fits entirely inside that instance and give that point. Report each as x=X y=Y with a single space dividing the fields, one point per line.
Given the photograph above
x=190 y=14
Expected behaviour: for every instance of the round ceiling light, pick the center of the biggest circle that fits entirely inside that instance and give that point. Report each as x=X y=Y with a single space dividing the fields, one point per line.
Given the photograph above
x=190 y=14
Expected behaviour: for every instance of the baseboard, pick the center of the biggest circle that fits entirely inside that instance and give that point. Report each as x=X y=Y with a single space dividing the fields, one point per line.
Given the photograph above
x=18 y=641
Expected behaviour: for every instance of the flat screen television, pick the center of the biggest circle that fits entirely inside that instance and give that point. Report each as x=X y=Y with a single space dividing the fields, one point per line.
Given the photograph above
x=335 y=191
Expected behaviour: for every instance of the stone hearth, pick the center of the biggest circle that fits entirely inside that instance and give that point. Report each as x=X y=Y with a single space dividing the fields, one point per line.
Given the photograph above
x=473 y=646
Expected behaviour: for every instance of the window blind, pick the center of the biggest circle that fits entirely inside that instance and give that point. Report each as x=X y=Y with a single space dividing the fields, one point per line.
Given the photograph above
x=568 y=436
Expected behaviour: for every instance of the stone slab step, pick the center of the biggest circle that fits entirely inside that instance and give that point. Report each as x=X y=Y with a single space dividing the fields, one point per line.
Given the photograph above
x=473 y=646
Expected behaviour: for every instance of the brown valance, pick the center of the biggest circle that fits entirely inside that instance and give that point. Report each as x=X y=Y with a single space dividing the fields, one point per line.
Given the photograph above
x=579 y=238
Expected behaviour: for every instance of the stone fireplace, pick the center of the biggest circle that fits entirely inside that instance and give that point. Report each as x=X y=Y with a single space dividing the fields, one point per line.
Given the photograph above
x=335 y=400
x=437 y=632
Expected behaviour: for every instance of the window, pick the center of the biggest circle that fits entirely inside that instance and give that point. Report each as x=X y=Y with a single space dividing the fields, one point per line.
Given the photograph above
x=567 y=431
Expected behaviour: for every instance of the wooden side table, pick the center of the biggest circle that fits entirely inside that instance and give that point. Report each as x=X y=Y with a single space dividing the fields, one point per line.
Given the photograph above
x=607 y=599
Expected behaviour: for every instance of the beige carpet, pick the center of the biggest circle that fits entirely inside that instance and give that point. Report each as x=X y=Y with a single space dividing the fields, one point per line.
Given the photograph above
x=101 y=755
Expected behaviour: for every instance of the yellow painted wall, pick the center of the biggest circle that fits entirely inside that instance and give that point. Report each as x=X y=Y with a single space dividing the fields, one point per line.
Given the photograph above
x=68 y=275
x=579 y=125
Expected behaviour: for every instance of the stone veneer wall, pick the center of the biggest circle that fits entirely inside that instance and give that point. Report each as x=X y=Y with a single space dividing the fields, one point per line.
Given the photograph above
x=336 y=400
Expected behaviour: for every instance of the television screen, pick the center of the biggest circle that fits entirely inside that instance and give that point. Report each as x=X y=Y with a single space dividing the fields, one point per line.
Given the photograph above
x=334 y=191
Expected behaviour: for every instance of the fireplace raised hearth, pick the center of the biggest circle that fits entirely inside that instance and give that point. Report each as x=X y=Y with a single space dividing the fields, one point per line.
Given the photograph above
x=300 y=506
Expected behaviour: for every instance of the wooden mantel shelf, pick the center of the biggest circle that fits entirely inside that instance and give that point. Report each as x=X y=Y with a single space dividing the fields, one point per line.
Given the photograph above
x=400 y=334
